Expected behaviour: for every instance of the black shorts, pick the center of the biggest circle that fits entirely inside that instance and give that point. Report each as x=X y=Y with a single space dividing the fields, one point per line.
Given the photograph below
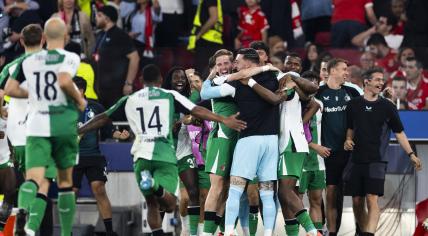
x=334 y=166
x=93 y=167
x=365 y=178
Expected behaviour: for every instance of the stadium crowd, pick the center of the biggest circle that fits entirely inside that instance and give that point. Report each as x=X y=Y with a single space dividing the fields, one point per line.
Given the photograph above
x=291 y=86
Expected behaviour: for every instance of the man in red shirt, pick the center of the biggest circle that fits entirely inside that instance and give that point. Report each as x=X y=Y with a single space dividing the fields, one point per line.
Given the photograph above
x=252 y=24
x=387 y=57
x=417 y=84
x=348 y=20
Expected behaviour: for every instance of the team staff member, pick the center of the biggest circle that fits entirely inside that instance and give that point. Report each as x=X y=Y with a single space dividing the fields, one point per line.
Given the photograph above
x=92 y=163
x=369 y=119
x=334 y=95
x=116 y=58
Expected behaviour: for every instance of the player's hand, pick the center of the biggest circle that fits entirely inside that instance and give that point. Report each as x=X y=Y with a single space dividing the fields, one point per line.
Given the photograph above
x=124 y=135
x=127 y=89
x=388 y=93
x=187 y=120
x=189 y=72
x=349 y=145
x=322 y=151
x=416 y=162
x=244 y=81
x=82 y=104
x=234 y=123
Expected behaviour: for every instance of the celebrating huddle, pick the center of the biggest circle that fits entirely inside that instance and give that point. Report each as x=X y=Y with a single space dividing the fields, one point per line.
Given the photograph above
x=274 y=136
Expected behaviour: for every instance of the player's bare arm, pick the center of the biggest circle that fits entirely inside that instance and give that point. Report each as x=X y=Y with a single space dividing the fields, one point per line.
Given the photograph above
x=13 y=89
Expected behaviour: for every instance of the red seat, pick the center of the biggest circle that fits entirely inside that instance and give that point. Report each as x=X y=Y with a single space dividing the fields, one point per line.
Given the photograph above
x=323 y=39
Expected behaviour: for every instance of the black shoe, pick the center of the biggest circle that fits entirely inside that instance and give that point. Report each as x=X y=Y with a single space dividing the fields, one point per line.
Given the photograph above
x=21 y=219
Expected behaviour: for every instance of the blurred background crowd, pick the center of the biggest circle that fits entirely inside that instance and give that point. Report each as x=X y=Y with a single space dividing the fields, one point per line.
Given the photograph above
x=115 y=39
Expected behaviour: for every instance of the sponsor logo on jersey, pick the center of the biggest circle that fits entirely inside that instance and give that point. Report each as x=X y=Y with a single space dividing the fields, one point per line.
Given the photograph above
x=369 y=109
x=335 y=109
x=326 y=98
x=347 y=98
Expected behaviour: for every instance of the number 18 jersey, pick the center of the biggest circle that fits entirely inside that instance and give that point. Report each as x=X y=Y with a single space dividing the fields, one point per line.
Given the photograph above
x=50 y=112
x=150 y=113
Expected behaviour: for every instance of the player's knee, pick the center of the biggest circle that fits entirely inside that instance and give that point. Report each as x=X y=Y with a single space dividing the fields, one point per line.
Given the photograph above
x=315 y=201
x=372 y=202
x=98 y=189
x=193 y=194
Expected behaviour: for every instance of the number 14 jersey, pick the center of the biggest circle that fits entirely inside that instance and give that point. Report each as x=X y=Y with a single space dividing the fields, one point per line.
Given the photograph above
x=51 y=112
x=150 y=113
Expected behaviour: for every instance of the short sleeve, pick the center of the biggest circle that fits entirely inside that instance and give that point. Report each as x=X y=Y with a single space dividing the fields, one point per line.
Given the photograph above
x=394 y=121
x=182 y=104
x=70 y=65
x=120 y=103
x=18 y=74
x=350 y=115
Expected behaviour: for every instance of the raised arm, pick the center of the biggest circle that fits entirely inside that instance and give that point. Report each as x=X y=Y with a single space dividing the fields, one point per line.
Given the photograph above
x=266 y=94
x=249 y=72
x=209 y=92
x=313 y=107
x=231 y=121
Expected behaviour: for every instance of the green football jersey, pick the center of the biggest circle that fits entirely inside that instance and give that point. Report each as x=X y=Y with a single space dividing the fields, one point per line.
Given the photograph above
x=51 y=112
x=150 y=113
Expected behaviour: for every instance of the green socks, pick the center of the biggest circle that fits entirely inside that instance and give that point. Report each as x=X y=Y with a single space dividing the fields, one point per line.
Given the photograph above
x=193 y=212
x=305 y=220
x=27 y=193
x=318 y=225
x=37 y=212
x=66 y=209
x=291 y=227
x=210 y=225
x=254 y=219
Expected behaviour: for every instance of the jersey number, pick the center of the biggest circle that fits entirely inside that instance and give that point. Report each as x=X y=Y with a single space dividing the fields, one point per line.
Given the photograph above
x=49 y=91
x=154 y=117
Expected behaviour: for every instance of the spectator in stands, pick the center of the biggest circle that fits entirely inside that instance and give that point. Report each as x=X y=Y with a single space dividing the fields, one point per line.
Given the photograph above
x=403 y=54
x=140 y=26
x=207 y=32
x=21 y=13
x=398 y=11
x=276 y=44
x=416 y=28
x=78 y=24
x=115 y=78
x=90 y=7
x=367 y=60
x=417 y=84
x=173 y=22
x=278 y=14
x=278 y=60
x=252 y=25
x=84 y=71
x=323 y=70
x=316 y=17
x=311 y=57
x=386 y=57
x=355 y=76
x=384 y=27
x=349 y=19
x=115 y=4
x=399 y=95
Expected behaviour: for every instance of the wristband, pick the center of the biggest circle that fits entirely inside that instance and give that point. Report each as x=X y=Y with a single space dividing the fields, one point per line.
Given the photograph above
x=265 y=68
x=127 y=83
x=251 y=83
x=410 y=154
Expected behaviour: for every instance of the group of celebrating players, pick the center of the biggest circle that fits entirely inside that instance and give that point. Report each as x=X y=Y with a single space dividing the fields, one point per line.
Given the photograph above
x=275 y=136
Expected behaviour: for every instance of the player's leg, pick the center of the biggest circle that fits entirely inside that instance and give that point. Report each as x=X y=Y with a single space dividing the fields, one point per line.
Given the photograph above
x=65 y=152
x=32 y=194
x=268 y=161
x=153 y=216
x=333 y=180
x=97 y=177
x=184 y=215
x=204 y=186
x=290 y=170
x=373 y=186
x=8 y=188
x=218 y=160
x=246 y=156
x=316 y=186
x=253 y=201
x=189 y=176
